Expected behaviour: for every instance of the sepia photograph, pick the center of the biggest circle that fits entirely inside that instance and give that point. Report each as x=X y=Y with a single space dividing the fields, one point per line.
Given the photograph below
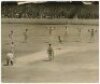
x=49 y=41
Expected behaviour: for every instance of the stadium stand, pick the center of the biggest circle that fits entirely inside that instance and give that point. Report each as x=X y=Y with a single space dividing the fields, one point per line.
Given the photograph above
x=50 y=10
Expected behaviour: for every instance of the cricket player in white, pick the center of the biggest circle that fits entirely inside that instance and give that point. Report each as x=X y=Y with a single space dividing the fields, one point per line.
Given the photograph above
x=10 y=58
x=12 y=47
x=25 y=35
x=65 y=34
x=11 y=35
x=50 y=52
x=79 y=33
x=92 y=34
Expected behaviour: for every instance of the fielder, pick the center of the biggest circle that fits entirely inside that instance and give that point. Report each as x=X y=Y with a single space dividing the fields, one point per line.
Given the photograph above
x=66 y=34
x=79 y=33
x=59 y=39
x=92 y=32
x=25 y=35
x=50 y=52
x=11 y=35
x=51 y=30
x=12 y=47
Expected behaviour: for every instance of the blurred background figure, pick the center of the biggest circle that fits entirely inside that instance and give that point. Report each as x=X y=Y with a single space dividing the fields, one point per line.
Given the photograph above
x=25 y=33
x=79 y=34
x=59 y=39
x=11 y=36
x=12 y=47
x=66 y=34
x=92 y=35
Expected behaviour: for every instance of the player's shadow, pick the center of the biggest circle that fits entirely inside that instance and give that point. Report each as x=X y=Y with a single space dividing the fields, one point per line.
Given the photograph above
x=5 y=65
x=6 y=43
x=46 y=42
x=40 y=61
x=46 y=60
x=76 y=41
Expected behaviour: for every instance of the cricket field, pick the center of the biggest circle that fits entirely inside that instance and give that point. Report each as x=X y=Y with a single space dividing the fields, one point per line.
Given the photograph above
x=76 y=59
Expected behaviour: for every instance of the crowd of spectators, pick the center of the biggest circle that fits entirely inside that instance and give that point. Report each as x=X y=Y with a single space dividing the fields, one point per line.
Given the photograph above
x=49 y=10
